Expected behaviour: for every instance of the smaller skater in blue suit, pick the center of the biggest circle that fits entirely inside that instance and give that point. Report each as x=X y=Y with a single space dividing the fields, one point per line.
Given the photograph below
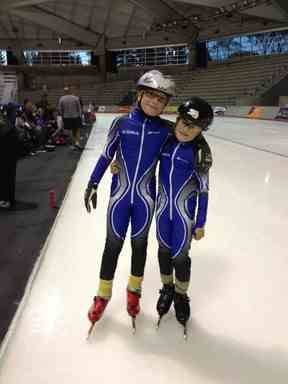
x=182 y=203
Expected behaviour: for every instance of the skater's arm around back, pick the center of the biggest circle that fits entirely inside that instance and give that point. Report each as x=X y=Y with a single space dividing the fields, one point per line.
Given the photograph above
x=203 y=164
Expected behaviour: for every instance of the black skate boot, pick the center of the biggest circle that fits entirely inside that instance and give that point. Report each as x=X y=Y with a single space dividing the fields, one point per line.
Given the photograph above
x=182 y=310
x=165 y=300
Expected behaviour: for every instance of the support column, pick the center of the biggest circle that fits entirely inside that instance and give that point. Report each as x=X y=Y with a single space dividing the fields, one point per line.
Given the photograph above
x=102 y=66
x=17 y=55
x=192 y=55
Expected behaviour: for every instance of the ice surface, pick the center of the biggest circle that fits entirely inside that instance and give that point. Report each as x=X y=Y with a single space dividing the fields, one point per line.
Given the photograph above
x=238 y=333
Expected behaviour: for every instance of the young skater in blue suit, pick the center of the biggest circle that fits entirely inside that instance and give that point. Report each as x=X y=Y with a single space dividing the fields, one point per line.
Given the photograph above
x=182 y=203
x=137 y=140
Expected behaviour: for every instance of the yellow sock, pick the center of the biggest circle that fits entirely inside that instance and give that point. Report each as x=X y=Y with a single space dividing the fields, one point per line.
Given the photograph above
x=134 y=283
x=167 y=279
x=181 y=286
x=105 y=289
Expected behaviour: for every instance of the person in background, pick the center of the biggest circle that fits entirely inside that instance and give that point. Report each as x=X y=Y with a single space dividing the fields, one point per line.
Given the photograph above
x=70 y=110
x=37 y=132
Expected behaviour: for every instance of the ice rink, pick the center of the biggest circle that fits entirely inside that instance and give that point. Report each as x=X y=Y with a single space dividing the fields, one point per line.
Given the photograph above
x=238 y=333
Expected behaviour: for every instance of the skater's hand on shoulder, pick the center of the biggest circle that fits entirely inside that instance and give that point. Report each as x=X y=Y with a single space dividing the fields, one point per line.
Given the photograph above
x=115 y=167
x=90 y=196
x=199 y=233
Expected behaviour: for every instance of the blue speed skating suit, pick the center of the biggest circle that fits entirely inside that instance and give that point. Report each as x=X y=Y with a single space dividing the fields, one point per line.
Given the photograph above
x=181 y=203
x=137 y=141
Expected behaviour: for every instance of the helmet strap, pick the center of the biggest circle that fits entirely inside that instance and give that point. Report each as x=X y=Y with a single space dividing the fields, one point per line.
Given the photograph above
x=139 y=101
x=139 y=104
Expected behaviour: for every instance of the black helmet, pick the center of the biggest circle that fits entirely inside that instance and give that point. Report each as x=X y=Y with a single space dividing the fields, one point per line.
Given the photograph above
x=197 y=111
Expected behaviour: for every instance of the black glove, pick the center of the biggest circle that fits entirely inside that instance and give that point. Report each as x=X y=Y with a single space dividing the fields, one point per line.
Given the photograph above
x=90 y=196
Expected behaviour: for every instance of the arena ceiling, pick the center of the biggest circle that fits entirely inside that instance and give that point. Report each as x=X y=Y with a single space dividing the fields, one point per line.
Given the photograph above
x=114 y=24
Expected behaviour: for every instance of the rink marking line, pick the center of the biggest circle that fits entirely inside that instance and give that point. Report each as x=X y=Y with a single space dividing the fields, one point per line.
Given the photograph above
x=248 y=145
x=7 y=341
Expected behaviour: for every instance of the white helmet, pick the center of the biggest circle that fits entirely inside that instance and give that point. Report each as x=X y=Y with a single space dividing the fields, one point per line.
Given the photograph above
x=156 y=80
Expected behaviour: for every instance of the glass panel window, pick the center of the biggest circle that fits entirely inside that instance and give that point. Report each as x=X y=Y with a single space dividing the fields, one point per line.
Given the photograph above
x=153 y=56
x=260 y=44
x=3 y=57
x=32 y=57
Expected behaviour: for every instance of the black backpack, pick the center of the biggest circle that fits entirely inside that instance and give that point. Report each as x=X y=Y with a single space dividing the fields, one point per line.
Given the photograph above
x=5 y=126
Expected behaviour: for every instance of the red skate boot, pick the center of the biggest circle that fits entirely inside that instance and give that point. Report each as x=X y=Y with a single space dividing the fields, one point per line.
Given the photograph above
x=133 y=306
x=96 y=311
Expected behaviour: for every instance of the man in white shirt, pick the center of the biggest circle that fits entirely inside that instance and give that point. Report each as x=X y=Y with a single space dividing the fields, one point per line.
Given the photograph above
x=70 y=109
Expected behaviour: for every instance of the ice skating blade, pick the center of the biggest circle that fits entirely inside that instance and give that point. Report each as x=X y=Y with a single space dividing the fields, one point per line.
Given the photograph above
x=90 y=332
x=158 y=323
x=185 y=334
x=133 y=325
